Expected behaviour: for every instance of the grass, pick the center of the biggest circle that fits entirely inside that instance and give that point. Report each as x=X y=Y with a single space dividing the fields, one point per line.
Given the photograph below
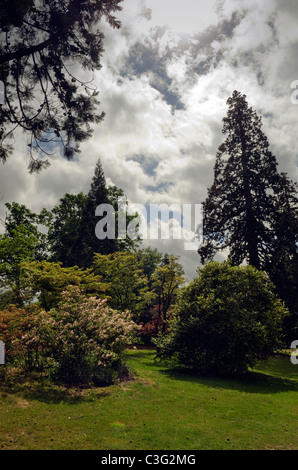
x=162 y=409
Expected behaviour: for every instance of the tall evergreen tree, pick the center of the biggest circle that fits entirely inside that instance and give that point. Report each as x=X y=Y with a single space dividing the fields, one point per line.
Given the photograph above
x=251 y=209
x=88 y=243
x=72 y=237
x=240 y=208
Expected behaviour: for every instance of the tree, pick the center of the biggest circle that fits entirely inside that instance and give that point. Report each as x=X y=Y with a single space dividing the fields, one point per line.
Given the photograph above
x=151 y=259
x=128 y=283
x=251 y=208
x=88 y=243
x=15 y=249
x=71 y=224
x=46 y=281
x=19 y=215
x=21 y=241
x=239 y=212
x=282 y=266
x=84 y=338
x=129 y=241
x=167 y=280
x=41 y=44
x=225 y=320
x=63 y=233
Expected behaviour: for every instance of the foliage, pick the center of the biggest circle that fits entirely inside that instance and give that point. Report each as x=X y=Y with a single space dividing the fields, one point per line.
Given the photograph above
x=130 y=241
x=166 y=277
x=151 y=259
x=46 y=281
x=63 y=222
x=167 y=280
x=20 y=215
x=240 y=211
x=21 y=241
x=225 y=320
x=128 y=284
x=251 y=209
x=39 y=40
x=83 y=336
x=87 y=242
x=283 y=266
x=73 y=221
x=14 y=323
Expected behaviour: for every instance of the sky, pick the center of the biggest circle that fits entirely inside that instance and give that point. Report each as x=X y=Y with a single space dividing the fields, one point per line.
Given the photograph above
x=166 y=76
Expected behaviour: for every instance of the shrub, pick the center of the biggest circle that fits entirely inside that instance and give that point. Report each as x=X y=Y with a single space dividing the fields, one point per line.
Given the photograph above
x=83 y=337
x=14 y=323
x=225 y=320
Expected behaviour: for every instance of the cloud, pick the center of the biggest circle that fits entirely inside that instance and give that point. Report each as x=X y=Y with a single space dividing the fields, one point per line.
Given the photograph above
x=164 y=91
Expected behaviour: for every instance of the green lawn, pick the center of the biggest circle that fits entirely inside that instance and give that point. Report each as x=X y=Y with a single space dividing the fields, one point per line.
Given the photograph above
x=162 y=409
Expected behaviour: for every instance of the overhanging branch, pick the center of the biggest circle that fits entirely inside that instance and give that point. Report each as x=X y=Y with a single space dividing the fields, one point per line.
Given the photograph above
x=25 y=51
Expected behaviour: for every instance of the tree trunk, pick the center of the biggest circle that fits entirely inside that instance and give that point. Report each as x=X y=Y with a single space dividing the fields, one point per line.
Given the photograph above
x=251 y=223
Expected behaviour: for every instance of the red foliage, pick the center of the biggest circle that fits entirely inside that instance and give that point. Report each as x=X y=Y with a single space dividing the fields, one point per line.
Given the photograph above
x=156 y=325
x=14 y=322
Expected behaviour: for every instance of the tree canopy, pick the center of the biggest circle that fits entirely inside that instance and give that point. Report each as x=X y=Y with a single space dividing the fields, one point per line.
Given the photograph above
x=43 y=44
x=252 y=209
x=225 y=320
x=241 y=211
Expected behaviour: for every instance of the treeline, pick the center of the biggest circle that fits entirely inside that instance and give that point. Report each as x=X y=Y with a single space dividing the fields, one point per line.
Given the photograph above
x=49 y=257
x=71 y=302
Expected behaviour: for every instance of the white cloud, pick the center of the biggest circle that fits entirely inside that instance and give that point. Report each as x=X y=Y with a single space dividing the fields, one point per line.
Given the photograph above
x=183 y=17
x=255 y=54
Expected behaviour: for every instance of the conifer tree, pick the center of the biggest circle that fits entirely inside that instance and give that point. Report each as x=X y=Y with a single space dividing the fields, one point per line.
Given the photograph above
x=72 y=224
x=88 y=243
x=45 y=96
x=239 y=211
x=251 y=209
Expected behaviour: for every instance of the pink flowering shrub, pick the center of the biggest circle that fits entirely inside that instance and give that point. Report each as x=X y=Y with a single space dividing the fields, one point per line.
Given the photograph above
x=83 y=337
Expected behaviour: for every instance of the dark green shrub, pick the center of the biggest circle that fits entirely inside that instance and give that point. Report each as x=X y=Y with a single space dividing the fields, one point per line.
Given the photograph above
x=225 y=320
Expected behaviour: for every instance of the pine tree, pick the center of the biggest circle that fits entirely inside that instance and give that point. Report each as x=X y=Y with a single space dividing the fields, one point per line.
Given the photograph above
x=239 y=210
x=40 y=41
x=88 y=243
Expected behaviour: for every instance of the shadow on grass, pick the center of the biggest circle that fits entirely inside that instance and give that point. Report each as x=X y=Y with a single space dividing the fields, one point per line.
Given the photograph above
x=249 y=382
x=36 y=387
x=275 y=375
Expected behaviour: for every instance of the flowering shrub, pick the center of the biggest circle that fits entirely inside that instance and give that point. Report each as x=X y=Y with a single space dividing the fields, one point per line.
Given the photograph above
x=14 y=322
x=83 y=337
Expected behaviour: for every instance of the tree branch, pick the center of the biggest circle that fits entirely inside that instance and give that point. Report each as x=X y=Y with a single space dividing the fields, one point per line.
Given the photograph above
x=25 y=51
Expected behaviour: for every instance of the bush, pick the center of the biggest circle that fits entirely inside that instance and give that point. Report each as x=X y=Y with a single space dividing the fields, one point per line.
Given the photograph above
x=224 y=321
x=14 y=323
x=82 y=338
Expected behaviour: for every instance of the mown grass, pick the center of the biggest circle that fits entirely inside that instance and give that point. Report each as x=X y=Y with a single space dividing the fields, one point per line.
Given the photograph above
x=161 y=409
